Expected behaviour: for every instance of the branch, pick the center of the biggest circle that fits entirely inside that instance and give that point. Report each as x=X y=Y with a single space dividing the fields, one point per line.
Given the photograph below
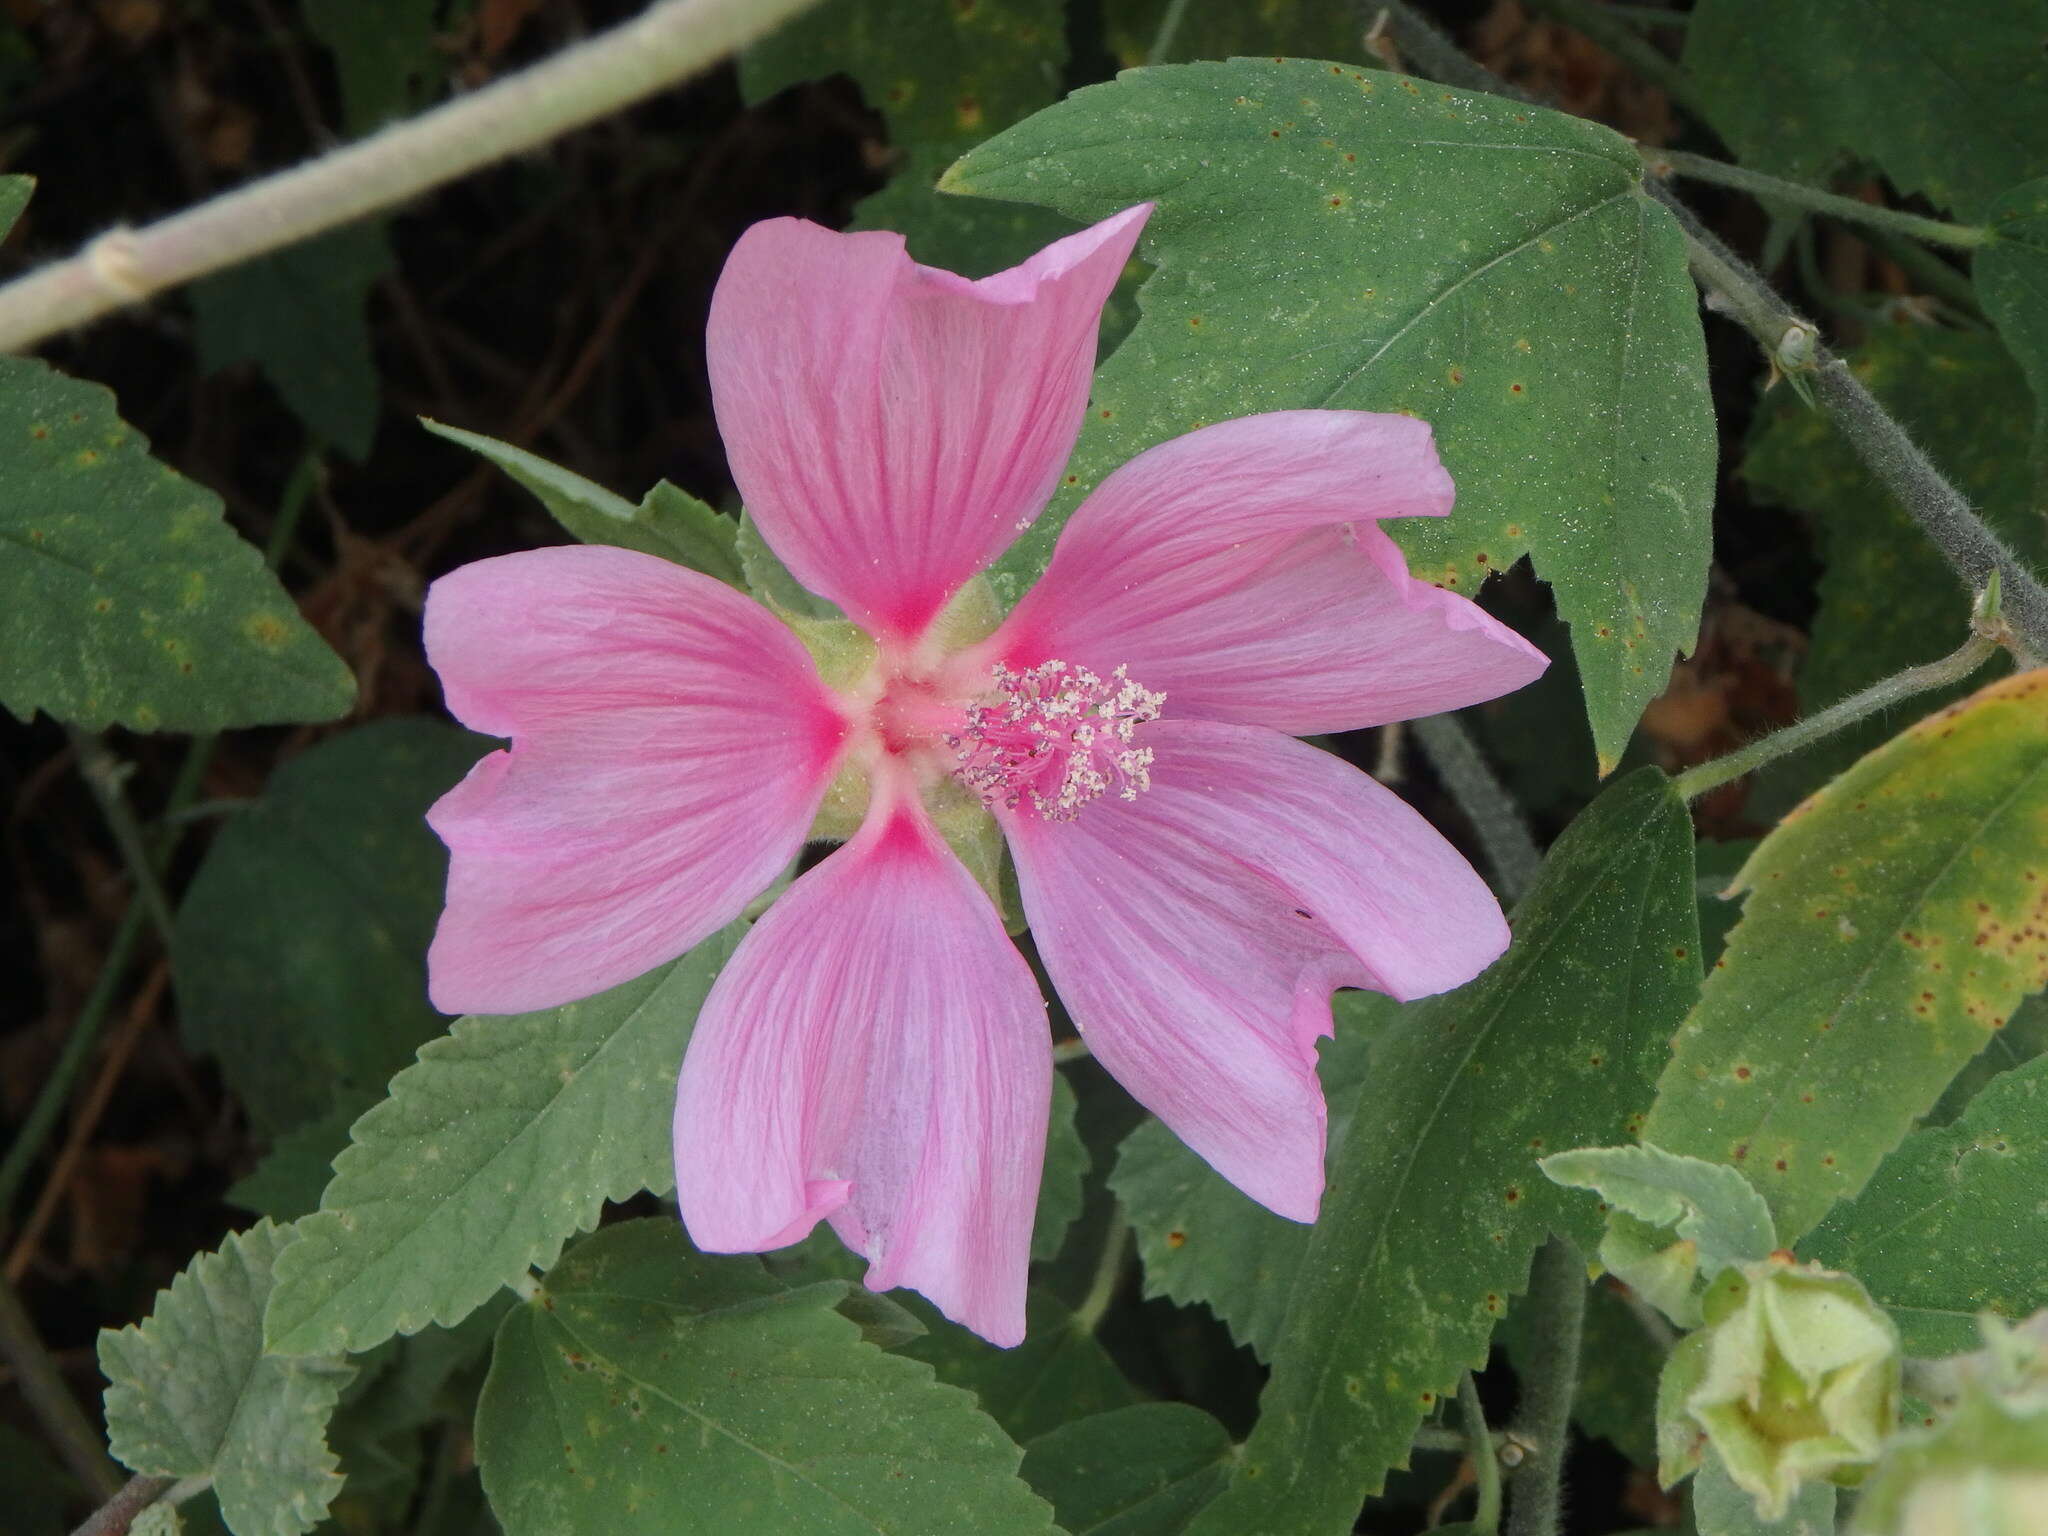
x=114 y=1517
x=1543 y=1418
x=671 y=41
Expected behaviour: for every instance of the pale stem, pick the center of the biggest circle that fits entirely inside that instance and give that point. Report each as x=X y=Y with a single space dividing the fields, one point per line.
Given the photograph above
x=1895 y=689
x=114 y=1517
x=1169 y=25
x=1543 y=1418
x=1485 y=1465
x=1109 y=1271
x=669 y=42
x=1851 y=210
x=1503 y=835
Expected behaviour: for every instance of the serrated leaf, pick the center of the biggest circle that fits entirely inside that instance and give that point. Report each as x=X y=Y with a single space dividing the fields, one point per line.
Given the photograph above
x=944 y=75
x=299 y=952
x=191 y=1393
x=668 y=522
x=384 y=53
x=124 y=598
x=2011 y=274
x=1437 y=1206
x=1709 y=1205
x=1331 y=236
x=1205 y=1243
x=644 y=1380
x=1887 y=598
x=300 y=315
x=1061 y=1184
x=1894 y=920
x=1948 y=1227
x=1945 y=99
x=287 y=1183
x=1719 y=1508
x=1145 y=1470
x=503 y=1141
x=1059 y=1372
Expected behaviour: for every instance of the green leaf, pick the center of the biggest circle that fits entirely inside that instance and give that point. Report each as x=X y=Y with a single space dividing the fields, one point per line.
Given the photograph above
x=1205 y=1243
x=1947 y=1227
x=124 y=599
x=191 y=1393
x=299 y=952
x=770 y=581
x=643 y=1381
x=1944 y=99
x=14 y=196
x=1061 y=1186
x=502 y=1142
x=2011 y=274
x=1058 y=1373
x=944 y=75
x=1893 y=922
x=1139 y=1471
x=2024 y=1037
x=1887 y=598
x=384 y=52
x=1328 y=236
x=1436 y=1205
x=670 y=523
x=1710 y=1205
x=300 y=314
x=1719 y=1508
x=287 y=1183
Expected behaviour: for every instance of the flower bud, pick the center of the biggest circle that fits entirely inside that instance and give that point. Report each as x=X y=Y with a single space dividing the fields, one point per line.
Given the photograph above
x=1797 y=1378
x=1982 y=1470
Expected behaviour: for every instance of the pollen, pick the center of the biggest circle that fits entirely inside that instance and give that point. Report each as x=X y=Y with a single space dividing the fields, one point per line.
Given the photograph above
x=1054 y=737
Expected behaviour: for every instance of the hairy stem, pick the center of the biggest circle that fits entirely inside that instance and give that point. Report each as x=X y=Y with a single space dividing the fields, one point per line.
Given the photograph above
x=114 y=1517
x=1943 y=514
x=1895 y=689
x=1851 y=210
x=1495 y=818
x=669 y=42
x=1972 y=550
x=105 y=776
x=1557 y=1301
x=1485 y=1464
x=42 y=1387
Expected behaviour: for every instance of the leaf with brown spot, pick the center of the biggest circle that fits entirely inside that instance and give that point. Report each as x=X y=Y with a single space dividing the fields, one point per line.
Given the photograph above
x=1852 y=1025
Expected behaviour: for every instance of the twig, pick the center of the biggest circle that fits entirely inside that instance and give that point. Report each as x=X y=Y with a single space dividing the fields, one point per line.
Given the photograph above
x=1793 y=343
x=77 y=1442
x=87 y=1120
x=669 y=42
x=1895 y=689
x=1557 y=1301
x=1851 y=210
x=114 y=1517
x=1503 y=835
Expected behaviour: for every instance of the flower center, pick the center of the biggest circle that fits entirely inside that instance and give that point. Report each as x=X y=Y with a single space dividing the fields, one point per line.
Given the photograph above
x=1055 y=737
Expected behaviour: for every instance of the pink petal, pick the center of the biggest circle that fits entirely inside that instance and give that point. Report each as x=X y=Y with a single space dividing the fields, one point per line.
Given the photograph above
x=1237 y=571
x=891 y=426
x=670 y=744
x=875 y=1051
x=1196 y=933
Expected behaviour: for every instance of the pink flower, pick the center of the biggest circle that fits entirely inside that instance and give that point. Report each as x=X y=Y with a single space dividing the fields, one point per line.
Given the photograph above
x=1197 y=882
